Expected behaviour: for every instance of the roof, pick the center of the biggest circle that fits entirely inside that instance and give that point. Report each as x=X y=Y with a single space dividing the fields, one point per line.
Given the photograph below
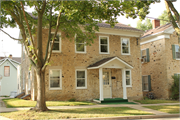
x=17 y=59
x=105 y=25
x=107 y=60
x=10 y=60
x=156 y=30
x=119 y=26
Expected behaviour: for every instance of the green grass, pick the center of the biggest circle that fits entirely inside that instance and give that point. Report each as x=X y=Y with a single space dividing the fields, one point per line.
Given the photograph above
x=165 y=108
x=156 y=101
x=15 y=102
x=75 y=113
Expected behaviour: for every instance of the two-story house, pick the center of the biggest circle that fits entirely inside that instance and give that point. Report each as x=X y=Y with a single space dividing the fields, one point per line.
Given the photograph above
x=160 y=49
x=109 y=68
x=8 y=75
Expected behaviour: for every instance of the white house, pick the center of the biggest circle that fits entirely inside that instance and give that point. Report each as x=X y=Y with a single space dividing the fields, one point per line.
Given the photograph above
x=8 y=73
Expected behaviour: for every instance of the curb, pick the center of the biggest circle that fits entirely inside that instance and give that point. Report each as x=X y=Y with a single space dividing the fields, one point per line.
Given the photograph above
x=129 y=117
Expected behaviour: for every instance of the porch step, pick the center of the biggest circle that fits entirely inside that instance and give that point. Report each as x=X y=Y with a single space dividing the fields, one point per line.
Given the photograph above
x=20 y=95
x=26 y=97
x=113 y=101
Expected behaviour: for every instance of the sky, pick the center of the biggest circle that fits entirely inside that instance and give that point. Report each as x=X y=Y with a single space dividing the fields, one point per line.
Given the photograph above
x=9 y=46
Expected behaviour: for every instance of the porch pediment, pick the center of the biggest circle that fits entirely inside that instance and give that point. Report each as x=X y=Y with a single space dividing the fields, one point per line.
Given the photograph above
x=111 y=62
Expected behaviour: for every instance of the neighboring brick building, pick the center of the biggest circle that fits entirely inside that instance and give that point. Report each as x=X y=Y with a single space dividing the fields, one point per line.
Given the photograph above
x=160 y=48
x=76 y=70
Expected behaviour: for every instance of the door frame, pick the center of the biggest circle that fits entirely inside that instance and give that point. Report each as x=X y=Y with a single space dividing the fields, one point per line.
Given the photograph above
x=110 y=82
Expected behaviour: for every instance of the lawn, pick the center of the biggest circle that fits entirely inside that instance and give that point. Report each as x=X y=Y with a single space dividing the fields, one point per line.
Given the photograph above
x=165 y=108
x=15 y=102
x=156 y=101
x=75 y=113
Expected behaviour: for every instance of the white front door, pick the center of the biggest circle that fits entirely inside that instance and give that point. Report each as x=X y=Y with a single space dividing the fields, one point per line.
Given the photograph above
x=107 y=84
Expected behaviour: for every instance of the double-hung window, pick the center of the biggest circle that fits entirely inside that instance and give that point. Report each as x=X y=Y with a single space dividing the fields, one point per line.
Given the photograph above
x=55 y=80
x=81 y=79
x=176 y=52
x=125 y=46
x=146 y=83
x=145 y=55
x=103 y=45
x=80 y=45
x=128 y=78
x=57 y=42
x=6 y=71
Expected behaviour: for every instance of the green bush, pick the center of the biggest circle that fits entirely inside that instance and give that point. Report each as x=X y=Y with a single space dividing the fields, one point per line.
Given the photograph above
x=72 y=100
x=175 y=87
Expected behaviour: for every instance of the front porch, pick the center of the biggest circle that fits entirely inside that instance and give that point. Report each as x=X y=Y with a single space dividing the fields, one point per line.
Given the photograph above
x=113 y=101
x=105 y=67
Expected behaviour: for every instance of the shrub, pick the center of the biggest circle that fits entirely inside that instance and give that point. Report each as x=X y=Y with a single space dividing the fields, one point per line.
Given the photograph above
x=72 y=99
x=150 y=95
x=175 y=87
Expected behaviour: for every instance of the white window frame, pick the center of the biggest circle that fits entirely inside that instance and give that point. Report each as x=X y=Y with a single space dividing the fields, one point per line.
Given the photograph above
x=130 y=77
x=128 y=47
x=85 y=78
x=29 y=80
x=57 y=88
x=57 y=51
x=175 y=51
x=107 y=45
x=148 y=83
x=9 y=71
x=146 y=55
x=80 y=43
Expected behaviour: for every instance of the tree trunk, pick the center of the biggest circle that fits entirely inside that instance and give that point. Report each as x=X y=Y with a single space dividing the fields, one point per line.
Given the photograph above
x=41 y=102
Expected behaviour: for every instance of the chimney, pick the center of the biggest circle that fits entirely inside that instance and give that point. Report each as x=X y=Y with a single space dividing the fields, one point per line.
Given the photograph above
x=10 y=56
x=155 y=23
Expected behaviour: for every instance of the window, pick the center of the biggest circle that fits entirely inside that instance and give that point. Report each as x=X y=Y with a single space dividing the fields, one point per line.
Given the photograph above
x=80 y=45
x=55 y=80
x=57 y=42
x=176 y=51
x=29 y=80
x=104 y=45
x=128 y=78
x=146 y=83
x=145 y=55
x=125 y=46
x=6 y=71
x=177 y=74
x=81 y=79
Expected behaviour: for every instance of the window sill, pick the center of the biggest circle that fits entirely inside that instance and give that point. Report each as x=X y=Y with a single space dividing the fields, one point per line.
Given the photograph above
x=125 y=54
x=81 y=88
x=80 y=52
x=145 y=90
x=55 y=88
x=103 y=53
x=128 y=85
x=56 y=51
x=177 y=59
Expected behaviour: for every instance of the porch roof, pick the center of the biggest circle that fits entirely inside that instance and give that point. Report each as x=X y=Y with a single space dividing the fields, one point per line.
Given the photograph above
x=111 y=62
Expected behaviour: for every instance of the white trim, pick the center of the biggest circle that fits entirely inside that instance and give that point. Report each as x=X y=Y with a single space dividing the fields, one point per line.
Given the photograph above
x=56 y=88
x=81 y=43
x=131 y=67
x=85 y=78
x=128 y=46
x=101 y=97
x=148 y=83
x=57 y=51
x=9 y=61
x=130 y=77
x=155 y=39
x=175 y=51
x=107 y=45
x=124 y=84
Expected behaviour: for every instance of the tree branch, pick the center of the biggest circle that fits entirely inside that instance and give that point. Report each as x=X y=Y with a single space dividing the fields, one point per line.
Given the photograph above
x=31 y=38
x=50 y=52
x=49 y=37
x=10 y=36
x=177 y=29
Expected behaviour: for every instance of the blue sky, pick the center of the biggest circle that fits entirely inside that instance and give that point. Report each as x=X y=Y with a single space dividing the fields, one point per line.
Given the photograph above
x=10 y=46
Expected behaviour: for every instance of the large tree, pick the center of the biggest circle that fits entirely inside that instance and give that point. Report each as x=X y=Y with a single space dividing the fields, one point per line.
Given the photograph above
x=172 y=11
x=67 y=16
x=147 y=25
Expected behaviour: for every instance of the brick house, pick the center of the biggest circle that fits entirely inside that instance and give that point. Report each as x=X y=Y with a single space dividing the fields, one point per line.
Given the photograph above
x=160 y=49
x=109 y=68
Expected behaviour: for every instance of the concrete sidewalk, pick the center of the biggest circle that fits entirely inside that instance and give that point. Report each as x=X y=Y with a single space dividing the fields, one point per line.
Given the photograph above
x=157 y=114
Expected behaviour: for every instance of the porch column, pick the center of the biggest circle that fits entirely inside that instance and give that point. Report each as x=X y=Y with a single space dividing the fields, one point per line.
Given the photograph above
x=101 y=85
x=124 y=83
